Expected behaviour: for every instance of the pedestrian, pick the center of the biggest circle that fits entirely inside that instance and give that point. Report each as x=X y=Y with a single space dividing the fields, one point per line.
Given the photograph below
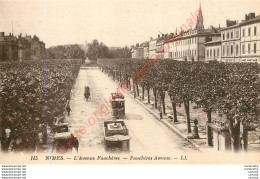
x=68 y=108
x=76 y=142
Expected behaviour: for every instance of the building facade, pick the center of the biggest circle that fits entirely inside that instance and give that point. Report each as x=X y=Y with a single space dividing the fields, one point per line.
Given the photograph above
x=237 y=42
x=230 y=42
x=213 y=50
x=189 y=44
x=21 y=48
x=138 y=52
x=250 y=39
x=146 y=50
x=8 y=47
x=240 y=42
x=152 y=47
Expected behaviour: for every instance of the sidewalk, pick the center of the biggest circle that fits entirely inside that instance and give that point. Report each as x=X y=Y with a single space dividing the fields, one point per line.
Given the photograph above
x=179 y=128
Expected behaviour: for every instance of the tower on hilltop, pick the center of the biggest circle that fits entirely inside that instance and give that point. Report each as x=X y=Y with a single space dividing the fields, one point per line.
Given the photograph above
x=199 y=24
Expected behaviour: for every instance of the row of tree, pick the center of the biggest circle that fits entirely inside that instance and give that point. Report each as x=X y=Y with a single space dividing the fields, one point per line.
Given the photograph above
x=231 y=90
x=34 y=93
x=93 y=51
x=98 y=50
x=66 y=52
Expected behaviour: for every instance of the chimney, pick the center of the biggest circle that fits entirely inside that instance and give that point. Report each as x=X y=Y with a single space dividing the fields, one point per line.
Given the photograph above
x=137 y=45
x=2 y=34
x=251 y=15
x=158 y=35
x=151 y=38
x=246 y=17
x=230 y=22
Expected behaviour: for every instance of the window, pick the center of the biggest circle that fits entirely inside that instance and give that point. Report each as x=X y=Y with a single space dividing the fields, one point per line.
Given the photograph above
x=214 y=53
x=223 y=51
x=254 y=47
x=227 y=35
x=218 y=52
x=223 y=36
x=237 y=34
x=195 y=39
x=249 y=49
x=231 y=48
x=231 y=35
x=243 y=32
x=254 y=30
x=249 y=31
x=237 y=49
x=227 y=50
x=243 y=49
x=211 y=52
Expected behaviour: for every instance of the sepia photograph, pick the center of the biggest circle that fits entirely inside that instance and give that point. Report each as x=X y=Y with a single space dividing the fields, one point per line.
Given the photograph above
x=129 y=82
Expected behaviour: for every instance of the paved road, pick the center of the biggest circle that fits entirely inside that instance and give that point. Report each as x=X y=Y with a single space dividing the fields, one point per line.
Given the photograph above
x=147 y=134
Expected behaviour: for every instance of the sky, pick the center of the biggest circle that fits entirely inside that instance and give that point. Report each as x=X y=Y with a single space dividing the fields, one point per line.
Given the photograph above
x=116 y=23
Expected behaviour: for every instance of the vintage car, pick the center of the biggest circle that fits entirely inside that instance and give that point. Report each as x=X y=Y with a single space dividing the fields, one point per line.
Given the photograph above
x=116 y=136
x=118 y=105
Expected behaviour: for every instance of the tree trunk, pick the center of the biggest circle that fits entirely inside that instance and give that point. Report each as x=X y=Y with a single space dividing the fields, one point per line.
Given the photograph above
x=187 y=111
x=134 y=89
x=174 y=112
x=130 y=88
x=175 y=119
x=137 y=89
x=245 y=139
x=163 y=102
x=142 y=92
x=235 y=135
x=148 y=94
x=114 y=76
x=117 y=76
x=155 y=98
x=209 y=131
x=2 y=134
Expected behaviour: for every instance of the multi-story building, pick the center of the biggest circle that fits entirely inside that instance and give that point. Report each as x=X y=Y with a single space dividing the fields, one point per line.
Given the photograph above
x=213 y=49
x=240 y=42
x=8 y=47
x=36 y=47
x=230 y=42
x=250 y=38
x=152 y=47
x=137 y=51
x=21 y=48
x=24 y=50
x=189 y=44
x=146 y=50
x=160 y=47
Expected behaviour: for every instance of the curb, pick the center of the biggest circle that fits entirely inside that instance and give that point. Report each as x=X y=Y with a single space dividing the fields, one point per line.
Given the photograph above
x=167 y=124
